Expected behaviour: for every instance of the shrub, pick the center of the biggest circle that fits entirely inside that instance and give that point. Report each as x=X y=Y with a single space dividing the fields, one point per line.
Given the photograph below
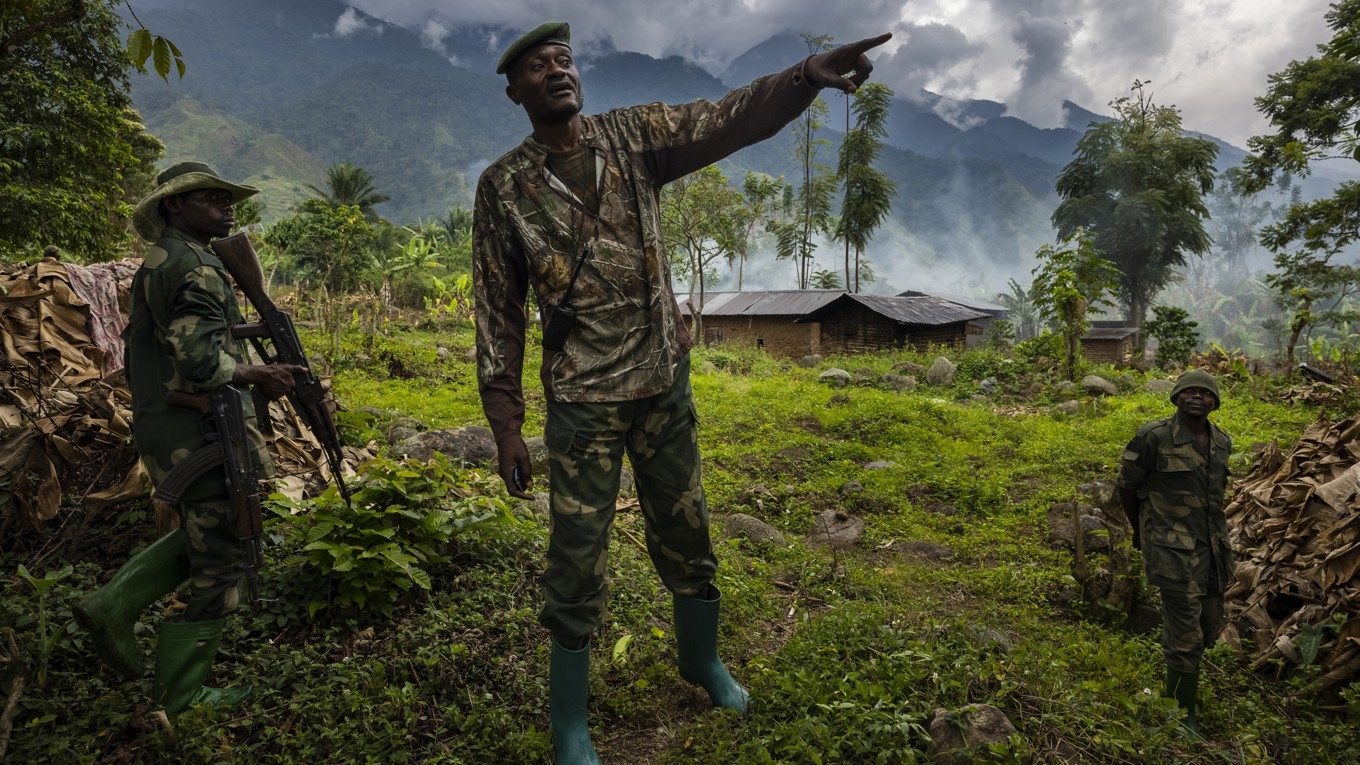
x=364 y=555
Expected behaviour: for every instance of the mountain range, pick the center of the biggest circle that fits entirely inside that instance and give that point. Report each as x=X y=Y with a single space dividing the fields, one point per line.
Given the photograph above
x=273 y=95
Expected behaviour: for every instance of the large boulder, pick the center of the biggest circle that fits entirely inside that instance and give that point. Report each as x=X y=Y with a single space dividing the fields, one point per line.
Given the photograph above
x=942 y=372
x=473 y=446
x=1099 y=386
x=835 y=377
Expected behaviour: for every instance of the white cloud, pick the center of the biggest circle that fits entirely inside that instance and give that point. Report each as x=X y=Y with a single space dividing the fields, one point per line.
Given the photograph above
x=1208 y=57
x=350 y=22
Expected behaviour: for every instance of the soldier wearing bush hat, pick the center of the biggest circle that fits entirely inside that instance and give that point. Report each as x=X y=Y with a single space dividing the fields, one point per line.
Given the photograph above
x=571 y=213
x=1173 y=477
x=178 y=339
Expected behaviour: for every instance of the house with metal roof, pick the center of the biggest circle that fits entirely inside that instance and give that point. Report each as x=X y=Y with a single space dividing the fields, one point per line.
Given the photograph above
x=764 y=319
x=854 y=323
x=795 y=323
x=977 y=329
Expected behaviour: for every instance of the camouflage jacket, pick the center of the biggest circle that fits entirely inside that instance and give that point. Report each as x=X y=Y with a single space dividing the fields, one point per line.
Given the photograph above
x=530 y=230
x=177 y=339
x=1180 y=504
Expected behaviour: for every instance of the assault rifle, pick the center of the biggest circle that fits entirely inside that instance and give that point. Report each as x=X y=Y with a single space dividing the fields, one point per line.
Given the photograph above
x=225 y=407
x=308 y=395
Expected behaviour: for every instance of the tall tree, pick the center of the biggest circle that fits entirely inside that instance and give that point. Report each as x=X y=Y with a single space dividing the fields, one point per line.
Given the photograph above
x=73 y=153
x=812 y=213
x=868 y=191
x=1314 y=107
x=703 y=220
x=350 y=186
x=1138 y=184
x=763 y=196
x=1069 y=282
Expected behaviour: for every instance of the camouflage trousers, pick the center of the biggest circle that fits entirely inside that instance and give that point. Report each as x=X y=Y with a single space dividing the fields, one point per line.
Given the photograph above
x=586 y=443
x=1191 y=622
x=216 y=561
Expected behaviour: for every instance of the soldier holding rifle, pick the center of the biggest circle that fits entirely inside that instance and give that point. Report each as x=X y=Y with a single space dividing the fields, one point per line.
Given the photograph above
x=180 y=348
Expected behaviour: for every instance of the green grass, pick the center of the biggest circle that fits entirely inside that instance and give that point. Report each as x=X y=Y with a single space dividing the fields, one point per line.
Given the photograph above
x=847 y=653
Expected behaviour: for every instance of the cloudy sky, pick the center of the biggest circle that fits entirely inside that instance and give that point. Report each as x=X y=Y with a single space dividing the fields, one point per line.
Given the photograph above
x=1208 y=57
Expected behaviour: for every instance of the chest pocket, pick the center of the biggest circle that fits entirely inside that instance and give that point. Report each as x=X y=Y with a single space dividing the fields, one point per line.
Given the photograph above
x=1174 y=461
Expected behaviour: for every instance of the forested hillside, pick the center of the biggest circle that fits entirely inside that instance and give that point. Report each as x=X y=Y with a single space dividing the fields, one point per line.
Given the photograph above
x=273 y=97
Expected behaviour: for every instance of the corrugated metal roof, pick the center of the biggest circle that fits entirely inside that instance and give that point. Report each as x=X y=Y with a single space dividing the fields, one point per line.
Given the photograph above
x=963 y=300
x=1109 y=333
x=920 y=310
x=766 y=303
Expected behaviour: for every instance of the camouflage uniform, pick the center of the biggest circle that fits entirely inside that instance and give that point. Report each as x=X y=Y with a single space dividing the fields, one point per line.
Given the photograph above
x=1186 y=550
x=621 y=382
x=178 y=339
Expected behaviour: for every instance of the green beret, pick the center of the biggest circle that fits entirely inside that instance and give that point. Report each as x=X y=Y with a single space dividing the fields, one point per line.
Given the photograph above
x=1196 y=378
x=551 y=33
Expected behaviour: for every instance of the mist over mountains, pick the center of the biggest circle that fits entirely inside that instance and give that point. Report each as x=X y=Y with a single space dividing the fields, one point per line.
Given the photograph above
x=277 y=91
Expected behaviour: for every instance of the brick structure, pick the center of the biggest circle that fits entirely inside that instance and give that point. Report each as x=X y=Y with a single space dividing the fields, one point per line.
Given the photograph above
x=1109 y=343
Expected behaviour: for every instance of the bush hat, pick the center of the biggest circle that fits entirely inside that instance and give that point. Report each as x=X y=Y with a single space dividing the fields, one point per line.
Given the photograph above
x=551 y=33
x=177 y=179
x=1196 y=378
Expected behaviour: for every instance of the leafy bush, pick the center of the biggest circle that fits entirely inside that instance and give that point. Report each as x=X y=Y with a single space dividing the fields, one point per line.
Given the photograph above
x=1176 y=335
x=364 y=555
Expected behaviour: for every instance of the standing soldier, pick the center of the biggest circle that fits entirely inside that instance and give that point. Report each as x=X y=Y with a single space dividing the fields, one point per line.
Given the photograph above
x=179 y=341
x=1174 y=474
x=572 y=212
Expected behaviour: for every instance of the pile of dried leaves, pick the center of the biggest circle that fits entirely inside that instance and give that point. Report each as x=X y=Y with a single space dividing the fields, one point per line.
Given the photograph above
x=1296 y=529
x=65 y=435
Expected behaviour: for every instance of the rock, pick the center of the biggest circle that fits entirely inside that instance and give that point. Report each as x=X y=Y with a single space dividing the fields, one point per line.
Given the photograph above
x=754 y=529
x=810 y=361
x=1068 y=407
x=1100 y=493
x=955 y=736
x=897 y=382
x=941 y=508
x=988 y=385
x=910 y=367
x=838 y=399
x=473 y=445
x=851 y=487
x=397 y=433
x=1099 y=386
x=470 y=355
x=538 y=458
x=835 y=377
x=1162 y=387
x=922 y=549
x=1064 y=386
x=442 y=353
x=834 y=528
x=1096 y=533
x=1144 y=619
x=941 y=372
x=878 y=465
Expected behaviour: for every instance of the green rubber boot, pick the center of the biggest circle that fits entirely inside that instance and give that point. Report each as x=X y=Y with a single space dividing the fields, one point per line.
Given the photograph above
x=568 y=692
x=111 y=611
x=1182 y=686
x=183 y=658
x=696 y=637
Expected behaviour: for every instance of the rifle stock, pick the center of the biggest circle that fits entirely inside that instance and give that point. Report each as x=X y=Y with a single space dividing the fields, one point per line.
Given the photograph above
x=308 y=395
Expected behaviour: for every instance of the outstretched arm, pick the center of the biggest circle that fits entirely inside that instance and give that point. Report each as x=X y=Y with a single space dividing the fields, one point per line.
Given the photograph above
x=844 y=68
